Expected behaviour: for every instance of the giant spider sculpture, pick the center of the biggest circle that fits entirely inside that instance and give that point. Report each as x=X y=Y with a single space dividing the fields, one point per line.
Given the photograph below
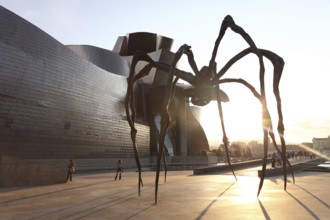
x=205 y=83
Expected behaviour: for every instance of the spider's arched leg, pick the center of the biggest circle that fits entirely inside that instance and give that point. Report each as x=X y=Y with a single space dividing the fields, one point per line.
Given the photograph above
x=171 y=98
x=257 y=95
x=164 y=158
x=130 y=107
x=225 y=139
x=131 y=121
x=278 y=65
x=165 y=116
x=165 y=121
x=229 y=22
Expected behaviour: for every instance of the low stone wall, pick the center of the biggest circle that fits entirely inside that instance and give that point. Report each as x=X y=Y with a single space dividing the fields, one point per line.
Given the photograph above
x=184 y=162
x=221 y=168
x=96 y=164
x=17 y=172
x=298 y=166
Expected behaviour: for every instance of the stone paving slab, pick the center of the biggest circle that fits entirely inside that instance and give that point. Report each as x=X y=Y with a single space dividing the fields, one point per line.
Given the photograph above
x=183 y=196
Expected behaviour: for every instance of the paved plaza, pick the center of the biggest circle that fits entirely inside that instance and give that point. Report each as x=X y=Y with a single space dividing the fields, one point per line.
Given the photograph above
x=183 y=196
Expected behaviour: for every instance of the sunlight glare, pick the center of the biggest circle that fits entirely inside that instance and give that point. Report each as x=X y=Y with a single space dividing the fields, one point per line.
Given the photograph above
x=246 y=191
x=318 y=153
x=242 y=122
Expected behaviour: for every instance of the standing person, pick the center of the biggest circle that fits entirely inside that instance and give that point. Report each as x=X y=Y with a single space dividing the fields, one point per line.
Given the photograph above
x=278 y=158
x=274 y=160
x=71 y=169
x=119 y=169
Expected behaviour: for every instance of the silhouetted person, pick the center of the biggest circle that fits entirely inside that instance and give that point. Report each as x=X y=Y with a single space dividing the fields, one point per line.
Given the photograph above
x=273 y=160
x=278 y=159
x=71 y=169
x=119 y=169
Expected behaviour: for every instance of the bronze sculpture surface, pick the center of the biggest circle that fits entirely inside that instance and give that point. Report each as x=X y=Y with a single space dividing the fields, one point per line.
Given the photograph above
x=206 y=87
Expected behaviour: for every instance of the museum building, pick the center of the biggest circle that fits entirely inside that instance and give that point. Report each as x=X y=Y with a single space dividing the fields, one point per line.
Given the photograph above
x=61 y=102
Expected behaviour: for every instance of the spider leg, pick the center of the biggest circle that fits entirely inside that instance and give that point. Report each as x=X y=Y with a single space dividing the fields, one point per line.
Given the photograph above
x=284 y=159
x=225 y=139
x=165 y=166
x=165 y=117
x=129 y=101
x=271 y=131
x=278 y=65
x=171 y=97
x=229 y=22
x=164 y=124
x=192 y=61
x=131 y=118
x=129 y=104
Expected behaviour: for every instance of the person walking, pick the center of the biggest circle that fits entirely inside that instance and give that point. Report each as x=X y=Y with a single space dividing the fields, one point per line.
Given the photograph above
x=119 y=169
x=71 y=169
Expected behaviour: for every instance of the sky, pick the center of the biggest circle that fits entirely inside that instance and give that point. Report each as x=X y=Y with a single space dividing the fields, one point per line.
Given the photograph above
x=297 y=30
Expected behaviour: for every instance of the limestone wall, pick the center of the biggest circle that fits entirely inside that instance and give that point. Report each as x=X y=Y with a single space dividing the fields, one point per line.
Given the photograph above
x=15 y=172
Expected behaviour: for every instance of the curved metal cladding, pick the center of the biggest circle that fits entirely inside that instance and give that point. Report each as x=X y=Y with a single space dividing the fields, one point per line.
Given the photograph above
x=145 y=41
x=196 y=137
x=151 y=92
x=105 y=59
x=54 y=104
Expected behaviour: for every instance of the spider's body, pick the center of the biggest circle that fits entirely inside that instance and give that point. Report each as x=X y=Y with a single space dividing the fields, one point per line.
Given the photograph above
x=204 y=88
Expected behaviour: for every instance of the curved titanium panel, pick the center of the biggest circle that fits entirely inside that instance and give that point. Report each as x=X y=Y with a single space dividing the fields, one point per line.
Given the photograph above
x=196 y=138
x=105 y=59
x=54 y=104
x=145 y=41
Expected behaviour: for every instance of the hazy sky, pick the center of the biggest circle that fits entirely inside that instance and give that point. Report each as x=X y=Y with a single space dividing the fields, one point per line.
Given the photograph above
x=297 y=30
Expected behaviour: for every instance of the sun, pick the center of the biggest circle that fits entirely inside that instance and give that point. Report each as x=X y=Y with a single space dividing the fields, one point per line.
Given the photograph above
x=242 y=117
